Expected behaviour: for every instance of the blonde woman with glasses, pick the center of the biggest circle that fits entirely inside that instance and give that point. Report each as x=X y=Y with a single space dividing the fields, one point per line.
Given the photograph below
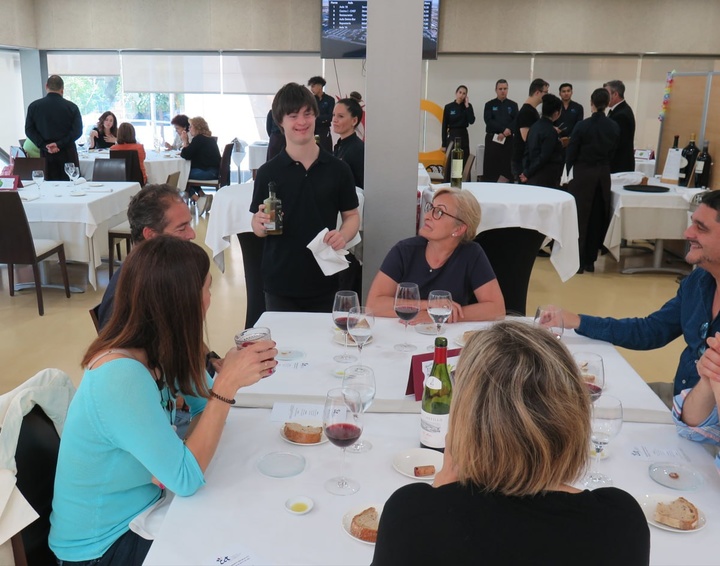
x=442 y=256
x=518 y=438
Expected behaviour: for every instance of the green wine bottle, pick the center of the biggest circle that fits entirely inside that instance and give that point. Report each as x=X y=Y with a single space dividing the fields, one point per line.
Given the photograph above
x=456 y=165
x=437 y=394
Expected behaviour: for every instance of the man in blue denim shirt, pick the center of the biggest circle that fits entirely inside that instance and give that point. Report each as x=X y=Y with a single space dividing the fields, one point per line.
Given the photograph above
x=692 y=313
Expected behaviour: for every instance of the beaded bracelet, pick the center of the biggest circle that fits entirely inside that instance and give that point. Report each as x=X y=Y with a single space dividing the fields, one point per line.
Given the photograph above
x=221 y=398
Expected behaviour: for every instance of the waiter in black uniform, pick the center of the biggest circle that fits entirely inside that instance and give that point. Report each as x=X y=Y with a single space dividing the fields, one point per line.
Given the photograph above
x=571 y=112
x=53 y=124
x=457 y=116
x=325 y=104
x=499 y=115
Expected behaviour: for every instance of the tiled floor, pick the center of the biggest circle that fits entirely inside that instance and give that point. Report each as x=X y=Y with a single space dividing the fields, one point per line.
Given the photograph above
x=29 y=343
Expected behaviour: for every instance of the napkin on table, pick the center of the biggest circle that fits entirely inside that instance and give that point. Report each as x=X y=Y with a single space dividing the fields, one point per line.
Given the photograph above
x=28 y=198
x=80 y=180
x=330 y=261
x=98 y=190
x=628 y=178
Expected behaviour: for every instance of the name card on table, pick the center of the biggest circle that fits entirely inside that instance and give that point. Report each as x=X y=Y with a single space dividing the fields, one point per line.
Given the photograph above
x=420 y=367
x=9 y=182
x=282 y=412
x=671 y=171
x=236 y=557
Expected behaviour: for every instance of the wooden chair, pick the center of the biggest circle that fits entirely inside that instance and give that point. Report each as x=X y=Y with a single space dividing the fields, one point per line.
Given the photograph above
x=173 y=179
x=119 y=232
x=95 y=316
x=24 y=166
x=109 y=170
x=468 y=169
x=17 y=245
x=132 y=164
x=223 y=179
x=438 y=173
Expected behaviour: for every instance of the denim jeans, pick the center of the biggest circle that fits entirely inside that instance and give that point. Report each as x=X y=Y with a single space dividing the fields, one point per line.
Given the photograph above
x=129 y=550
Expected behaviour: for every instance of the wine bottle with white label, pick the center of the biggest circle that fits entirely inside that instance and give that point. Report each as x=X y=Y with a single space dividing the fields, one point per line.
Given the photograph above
x=437 y=395
x=273 y=208
x=456 y=165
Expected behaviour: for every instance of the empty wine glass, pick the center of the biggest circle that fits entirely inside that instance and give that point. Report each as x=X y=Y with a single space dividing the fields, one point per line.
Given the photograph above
x=607 y=418
x=407 y=307
x=342 y=425
x=592 y=372
x=440 y=305
x=344 y=301
x=39 y=177
x=361 y=379
x=360 y=324
x=69 y=169
x=550 y=317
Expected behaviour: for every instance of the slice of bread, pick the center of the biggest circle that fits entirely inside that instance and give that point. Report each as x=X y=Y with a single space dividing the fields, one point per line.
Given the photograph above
x=302 y=434
x=365 y=525
x=679 y=514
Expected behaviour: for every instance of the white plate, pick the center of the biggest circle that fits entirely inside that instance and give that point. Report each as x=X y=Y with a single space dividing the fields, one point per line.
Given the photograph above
x=305 y=504
x=405 y=462
x=77 y=193
x=649 y=502
x=429 y=328
x=289 y=355
x=96 y=185
x=686 y=479
x=281 y=464
x=339 y=337
x=323 y=438
x=348 y=517
x=460 y=340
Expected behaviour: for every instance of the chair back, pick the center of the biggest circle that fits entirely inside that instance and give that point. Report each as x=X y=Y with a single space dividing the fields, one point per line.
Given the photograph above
x=467 y=171
x=95 y=316
x=225 y=160
x=36 y=459
x=173 y=179
x=16 y=241
x=110 y=170
x=447 y=168
x=24 y=166
x=17 y=151
x=132 y=164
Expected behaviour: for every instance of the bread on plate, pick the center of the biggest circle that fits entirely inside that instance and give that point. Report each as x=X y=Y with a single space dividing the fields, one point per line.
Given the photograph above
x=679 y=514
x=302 y=434
x=365 y=525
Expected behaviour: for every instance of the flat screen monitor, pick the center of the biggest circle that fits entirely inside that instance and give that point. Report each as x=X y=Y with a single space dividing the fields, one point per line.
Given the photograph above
x=344 y=29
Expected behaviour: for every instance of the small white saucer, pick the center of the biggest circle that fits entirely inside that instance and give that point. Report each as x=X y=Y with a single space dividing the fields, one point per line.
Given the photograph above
x=299 y=505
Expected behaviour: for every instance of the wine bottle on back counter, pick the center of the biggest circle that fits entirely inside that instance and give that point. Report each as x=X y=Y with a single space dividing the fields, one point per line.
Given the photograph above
x=435 y=406
x=273 y=207
x=676 y=141
x=456 y=165
x=687 y=162
x=702 y=167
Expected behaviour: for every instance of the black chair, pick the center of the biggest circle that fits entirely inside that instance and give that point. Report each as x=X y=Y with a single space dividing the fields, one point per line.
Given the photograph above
x=512 y=253
x=24 y=166
x=132 y=164
x=119 y=232
x=223 y=179
x=109 y=170
x=95 y=316
x=36 y=459
x=18 y=247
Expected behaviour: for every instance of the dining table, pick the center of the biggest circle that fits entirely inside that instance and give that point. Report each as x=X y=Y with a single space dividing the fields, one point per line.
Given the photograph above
x=158 y=165
x=79 y=215
x=548 y=211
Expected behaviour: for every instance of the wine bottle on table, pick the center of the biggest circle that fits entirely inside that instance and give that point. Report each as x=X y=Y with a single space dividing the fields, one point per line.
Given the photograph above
x=687 y=162
x=676 y=141
x=456 y=165
x=702 y=167
x=273 y=207
x=437 y=395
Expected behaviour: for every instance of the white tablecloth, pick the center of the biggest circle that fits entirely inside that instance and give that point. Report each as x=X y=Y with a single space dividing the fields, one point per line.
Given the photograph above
x=313 y=334
x=549 y=211
x=231 y=215
x=81 y=222
x=647 y=216
x=158 y=165
x=257 y=154
x=645 y=166
x=240 y=508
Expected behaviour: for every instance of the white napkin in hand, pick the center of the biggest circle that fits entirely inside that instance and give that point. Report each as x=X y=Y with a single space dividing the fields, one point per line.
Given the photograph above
x=80 y=180
x=330 y=261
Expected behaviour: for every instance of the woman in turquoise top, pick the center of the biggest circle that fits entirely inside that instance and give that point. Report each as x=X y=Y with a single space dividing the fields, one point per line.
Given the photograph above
x=119 y=450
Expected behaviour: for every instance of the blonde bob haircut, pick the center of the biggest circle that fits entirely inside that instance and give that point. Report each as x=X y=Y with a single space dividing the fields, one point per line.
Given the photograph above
x=468 y=210
x=201 y=126
x=520 y=414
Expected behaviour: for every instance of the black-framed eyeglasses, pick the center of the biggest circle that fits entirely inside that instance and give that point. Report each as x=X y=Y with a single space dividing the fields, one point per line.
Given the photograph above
x=703 y=332
x=438 y=213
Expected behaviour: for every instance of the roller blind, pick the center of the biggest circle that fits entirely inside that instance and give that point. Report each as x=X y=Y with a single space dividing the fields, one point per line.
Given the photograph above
x=150 y=72
x=85 y=64
x=266 y=73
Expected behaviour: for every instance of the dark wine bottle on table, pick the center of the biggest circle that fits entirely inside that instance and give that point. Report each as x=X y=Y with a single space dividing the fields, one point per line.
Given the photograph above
x=687 y=162
x=676 y=141
x=702 y=167
x=456 y=165
x=437 y=395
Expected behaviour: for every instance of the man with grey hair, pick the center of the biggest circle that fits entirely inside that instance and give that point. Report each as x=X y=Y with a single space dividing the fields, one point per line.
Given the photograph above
x=622 y=114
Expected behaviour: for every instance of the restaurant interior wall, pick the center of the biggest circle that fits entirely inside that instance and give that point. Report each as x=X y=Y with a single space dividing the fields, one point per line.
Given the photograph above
x=12 y=115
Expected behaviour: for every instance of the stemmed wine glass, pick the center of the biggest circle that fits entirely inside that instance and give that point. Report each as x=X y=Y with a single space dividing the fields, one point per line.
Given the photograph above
x=69 y=170
x=360 y=323
x=550 y=317
x=344 y=301
x=39 y=177
x=407 y=307
x=592 y=372
x=361 y=379
x=440 y=307
x=342 y=425
x=607 y=418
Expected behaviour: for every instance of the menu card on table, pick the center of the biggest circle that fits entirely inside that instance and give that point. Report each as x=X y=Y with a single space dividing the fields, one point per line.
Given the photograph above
x=420 y=367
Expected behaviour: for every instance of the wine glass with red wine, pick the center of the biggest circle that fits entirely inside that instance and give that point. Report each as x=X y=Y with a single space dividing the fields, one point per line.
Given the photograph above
x=342 y=425
x=592 y=372
x=344 y=301
x=407 y=307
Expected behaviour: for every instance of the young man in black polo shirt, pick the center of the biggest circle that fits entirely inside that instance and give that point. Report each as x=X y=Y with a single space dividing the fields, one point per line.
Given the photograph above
x=314 y=187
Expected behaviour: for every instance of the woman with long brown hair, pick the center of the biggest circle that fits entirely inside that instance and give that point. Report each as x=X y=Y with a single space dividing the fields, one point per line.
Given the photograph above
x=104 y=133
x=118 y=450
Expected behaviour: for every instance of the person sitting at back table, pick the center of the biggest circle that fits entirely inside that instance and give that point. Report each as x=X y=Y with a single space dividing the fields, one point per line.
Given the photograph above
x=204 y=156
x=118 y=451
x=693 y=313
x=105 y=132
x=180 y=123
x=347 y=115
x=442 y=257
x=126 y=140
x=517 y=441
